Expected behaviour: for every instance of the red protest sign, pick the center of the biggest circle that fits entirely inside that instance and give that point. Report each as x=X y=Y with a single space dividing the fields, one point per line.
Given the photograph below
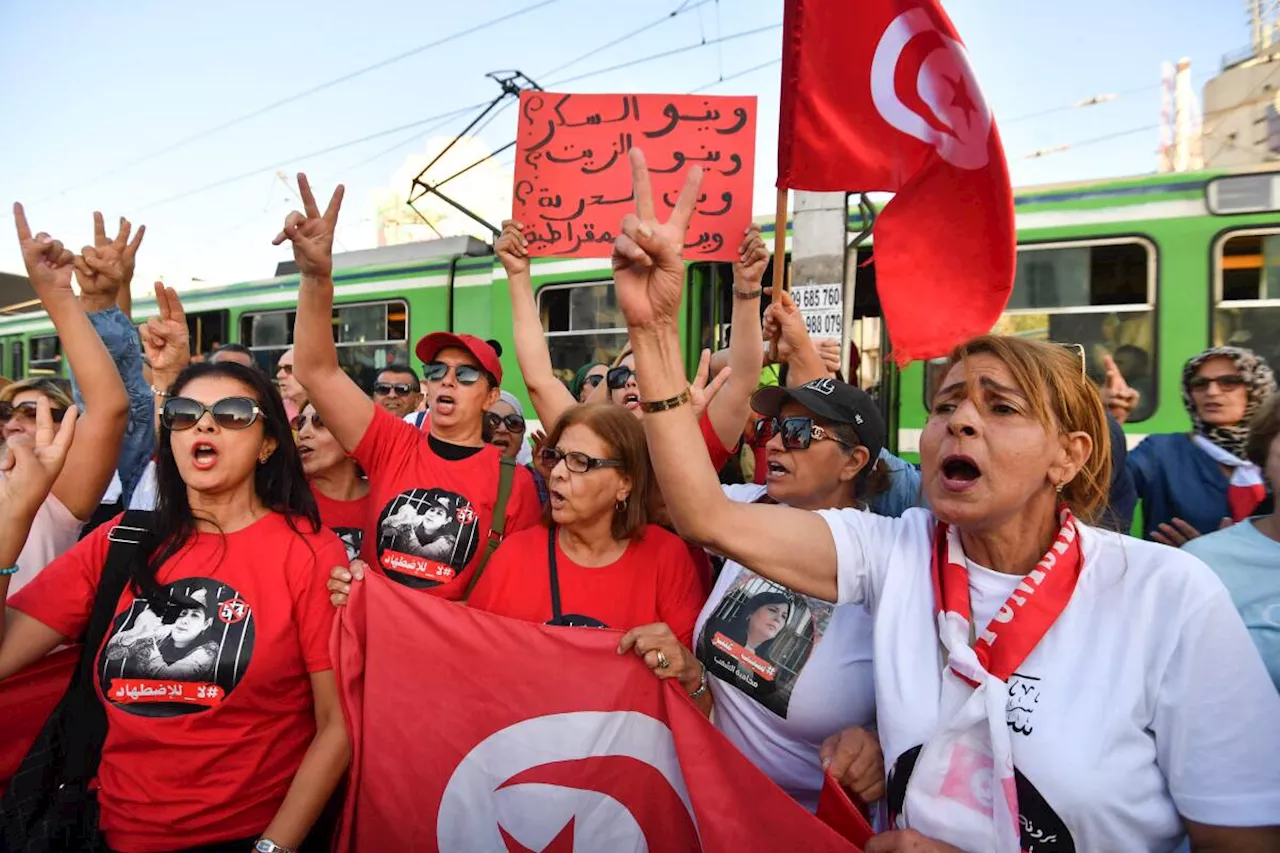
x=573 y=178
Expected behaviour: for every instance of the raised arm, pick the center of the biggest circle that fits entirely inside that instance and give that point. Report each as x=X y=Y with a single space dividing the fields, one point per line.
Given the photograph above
x=785 y=326
x=167 y=343
x=728 y=410
x=548 y=394
x=793 y=547
x=346 y=410
x=94 y=455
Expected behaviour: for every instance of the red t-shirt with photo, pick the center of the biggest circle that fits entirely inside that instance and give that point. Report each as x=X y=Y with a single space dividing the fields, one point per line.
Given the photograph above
x=348 y=519
x=653 y=581
x=430 y=516
x=207 y=691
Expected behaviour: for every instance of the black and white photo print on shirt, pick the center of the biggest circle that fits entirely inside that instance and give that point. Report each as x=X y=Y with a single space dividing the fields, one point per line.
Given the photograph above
x=760 y=637
x=426 y=537
x=352 y=538
x=178 y=654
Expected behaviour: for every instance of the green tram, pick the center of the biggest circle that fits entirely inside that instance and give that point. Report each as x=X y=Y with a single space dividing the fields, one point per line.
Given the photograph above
x=1150 y=270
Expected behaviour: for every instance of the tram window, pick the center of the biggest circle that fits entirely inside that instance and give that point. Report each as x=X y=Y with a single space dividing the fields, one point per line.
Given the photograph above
x=46 y=355
x=208 y=330
x=1247 y=292
x=1099 y=294
x=17 y=361
x=582 y=323
x=369 y=336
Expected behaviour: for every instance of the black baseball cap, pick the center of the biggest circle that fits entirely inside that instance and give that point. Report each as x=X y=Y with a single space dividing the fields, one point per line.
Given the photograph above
x=835 y=402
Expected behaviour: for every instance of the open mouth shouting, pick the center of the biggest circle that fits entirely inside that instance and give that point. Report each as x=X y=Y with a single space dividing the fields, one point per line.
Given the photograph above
x=959 y=473
x=444 y=404
x=631 y=400
x=204 y=455
x=776 y=469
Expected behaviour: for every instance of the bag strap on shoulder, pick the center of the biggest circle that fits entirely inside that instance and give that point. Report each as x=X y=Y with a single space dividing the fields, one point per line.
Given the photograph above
x=498 y=527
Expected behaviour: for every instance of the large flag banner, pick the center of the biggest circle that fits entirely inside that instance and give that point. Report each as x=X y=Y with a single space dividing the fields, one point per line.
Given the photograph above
x=573 y=176
x=879 y=96
x=473 y=732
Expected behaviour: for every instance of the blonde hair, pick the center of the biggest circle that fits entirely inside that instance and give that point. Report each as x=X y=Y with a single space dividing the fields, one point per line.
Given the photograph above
x=47 y=385
x=1063 y=400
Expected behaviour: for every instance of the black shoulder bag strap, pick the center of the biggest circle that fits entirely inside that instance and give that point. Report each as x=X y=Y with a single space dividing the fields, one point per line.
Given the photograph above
x=498 y=527
x=554 y=574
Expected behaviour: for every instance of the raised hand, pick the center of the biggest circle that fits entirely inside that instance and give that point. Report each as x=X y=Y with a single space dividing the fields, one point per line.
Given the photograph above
x=829 y=351
x=753 y=257
x=784 y=326
x=107 y=266
x=648 y=256
x=512 y=248
x=311 y=232
x=701 y=392
x=48 y=262
x=31 y=467
x=165 y=338
x=1119 y=398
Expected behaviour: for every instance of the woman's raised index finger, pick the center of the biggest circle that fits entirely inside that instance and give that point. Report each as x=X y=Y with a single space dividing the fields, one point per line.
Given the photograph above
x=640 y=187
x=308 y=198
x=20 y=220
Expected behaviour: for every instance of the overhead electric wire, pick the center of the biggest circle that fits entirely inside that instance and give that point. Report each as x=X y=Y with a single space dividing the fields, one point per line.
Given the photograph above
x=683 y=8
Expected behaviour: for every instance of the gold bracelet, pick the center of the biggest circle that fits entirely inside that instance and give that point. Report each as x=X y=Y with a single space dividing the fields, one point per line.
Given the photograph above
x=747 y=294
x=649 y=407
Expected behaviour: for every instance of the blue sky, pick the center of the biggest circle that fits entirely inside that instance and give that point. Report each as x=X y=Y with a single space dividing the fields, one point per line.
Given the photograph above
x=91 y=87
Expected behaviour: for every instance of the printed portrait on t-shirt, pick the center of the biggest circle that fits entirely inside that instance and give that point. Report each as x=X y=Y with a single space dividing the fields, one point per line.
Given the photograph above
x=760 y=637
x=352 y=537
x=178 y=654
x=426 y=537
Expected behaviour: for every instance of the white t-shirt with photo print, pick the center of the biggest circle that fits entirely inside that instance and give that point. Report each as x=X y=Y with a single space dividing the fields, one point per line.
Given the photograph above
x=1145 y=700
x=832 y=692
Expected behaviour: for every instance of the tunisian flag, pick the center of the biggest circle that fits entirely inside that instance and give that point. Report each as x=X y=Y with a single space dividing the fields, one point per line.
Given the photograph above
x=475 y=732
x=879 y=96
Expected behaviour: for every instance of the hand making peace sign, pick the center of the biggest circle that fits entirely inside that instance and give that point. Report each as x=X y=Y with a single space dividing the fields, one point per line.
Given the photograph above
x=165 y=338
x=48 y=262
x=648 y=256
x=107 y=266
x=311 y=233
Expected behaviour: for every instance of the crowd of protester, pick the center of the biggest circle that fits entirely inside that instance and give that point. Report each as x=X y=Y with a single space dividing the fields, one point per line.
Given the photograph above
x=982 y=619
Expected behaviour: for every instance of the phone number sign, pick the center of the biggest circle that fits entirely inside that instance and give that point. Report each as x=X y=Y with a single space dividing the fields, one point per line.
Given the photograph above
x=822 y=306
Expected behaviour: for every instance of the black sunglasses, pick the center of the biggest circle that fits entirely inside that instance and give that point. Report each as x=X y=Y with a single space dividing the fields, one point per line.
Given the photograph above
x=181 y=413
x=299 y=421
x=385 y=389
x=575 y=461
x=466 y=374
x=513 y=422
x=593 y=379
x=1227 y=383
x=797 y=432
x=618 y=377
x=27 y=412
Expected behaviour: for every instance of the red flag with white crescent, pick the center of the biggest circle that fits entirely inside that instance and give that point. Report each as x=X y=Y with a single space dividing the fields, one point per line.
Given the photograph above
x=880 y=96
x=475 y=732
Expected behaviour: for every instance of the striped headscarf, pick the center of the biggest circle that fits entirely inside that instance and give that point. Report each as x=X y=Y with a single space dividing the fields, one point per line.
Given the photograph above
x=1259 y=380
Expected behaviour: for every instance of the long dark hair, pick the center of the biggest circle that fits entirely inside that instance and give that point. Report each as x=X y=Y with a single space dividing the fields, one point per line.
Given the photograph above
x=279 y=482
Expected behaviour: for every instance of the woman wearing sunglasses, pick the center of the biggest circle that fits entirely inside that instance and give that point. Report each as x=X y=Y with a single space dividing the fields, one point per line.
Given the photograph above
x=411 y=475
x=341 y=492
x=235 y=529
x=587 y=379
x=787 y=671
x=1194 y=484
x=597 y=561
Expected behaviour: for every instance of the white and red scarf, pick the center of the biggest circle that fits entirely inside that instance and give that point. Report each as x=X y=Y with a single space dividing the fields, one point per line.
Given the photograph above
x=962 y=787
x=1245 y=488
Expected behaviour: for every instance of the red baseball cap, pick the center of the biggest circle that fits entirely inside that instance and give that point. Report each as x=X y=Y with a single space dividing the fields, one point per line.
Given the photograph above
x=429 y=347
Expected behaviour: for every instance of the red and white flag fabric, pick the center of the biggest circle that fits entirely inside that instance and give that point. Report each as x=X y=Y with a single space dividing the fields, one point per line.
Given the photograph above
x=879 y=96
x=475 y=732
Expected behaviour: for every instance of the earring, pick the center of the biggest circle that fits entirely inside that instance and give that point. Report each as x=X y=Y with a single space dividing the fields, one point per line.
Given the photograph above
x=1058 y=487
x=621 y=506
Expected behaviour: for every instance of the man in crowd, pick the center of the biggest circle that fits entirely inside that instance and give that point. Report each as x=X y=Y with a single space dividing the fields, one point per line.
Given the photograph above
x=295 y=396
x=237 y=353
x=397 y=390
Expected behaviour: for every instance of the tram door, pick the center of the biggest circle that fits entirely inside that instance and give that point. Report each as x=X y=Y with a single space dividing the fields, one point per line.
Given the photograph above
x=208 y=330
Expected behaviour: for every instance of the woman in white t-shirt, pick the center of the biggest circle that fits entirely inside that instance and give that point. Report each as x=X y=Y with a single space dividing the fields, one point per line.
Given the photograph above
x=1040 y=684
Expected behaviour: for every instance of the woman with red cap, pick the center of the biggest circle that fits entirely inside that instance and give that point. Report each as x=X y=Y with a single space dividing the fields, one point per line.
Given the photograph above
x=413 y=477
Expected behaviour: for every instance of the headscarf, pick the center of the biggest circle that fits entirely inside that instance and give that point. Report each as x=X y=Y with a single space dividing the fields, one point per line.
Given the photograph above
x=1259 y=380
x=580 y=378
x=525 y=456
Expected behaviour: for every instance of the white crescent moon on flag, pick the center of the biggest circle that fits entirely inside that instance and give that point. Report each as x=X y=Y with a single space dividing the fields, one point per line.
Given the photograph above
x=473 y=807
x=945 y=83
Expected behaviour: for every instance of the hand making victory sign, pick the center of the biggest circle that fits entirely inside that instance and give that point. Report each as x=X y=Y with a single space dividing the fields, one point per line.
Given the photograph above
x=107 y=266
x=165 y=338
x=648 y=256
x=312 y=233
x=49 y=263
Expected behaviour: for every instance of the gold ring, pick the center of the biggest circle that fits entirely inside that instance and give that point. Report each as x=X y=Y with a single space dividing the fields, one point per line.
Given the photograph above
x=663 y=663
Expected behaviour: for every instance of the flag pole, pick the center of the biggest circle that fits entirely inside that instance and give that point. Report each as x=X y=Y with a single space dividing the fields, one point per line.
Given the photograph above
x=779 y=243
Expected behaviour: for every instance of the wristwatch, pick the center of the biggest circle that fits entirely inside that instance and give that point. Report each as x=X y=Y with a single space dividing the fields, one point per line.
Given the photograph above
x=266 y=845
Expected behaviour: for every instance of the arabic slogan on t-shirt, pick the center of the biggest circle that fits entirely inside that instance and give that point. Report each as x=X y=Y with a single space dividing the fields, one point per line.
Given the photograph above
x=179 y=654
x=426 y=537
x=760 y=637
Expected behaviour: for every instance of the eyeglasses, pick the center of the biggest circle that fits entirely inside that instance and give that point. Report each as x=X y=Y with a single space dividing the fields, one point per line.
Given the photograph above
x=1229 y=382
x=797 y=432
x=513 y=422
x=593 y=379
x=286 y=369
x=386 y=389
x=27 y=412
x=1078 y=351
x=181 y=413
x=618 y=377
x=578 y=463
x=300 y=421
x=466 y=374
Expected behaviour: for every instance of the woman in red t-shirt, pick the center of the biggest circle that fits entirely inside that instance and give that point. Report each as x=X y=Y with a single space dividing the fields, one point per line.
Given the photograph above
x=597 y=562
x=342 y=493
x=223 y=722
